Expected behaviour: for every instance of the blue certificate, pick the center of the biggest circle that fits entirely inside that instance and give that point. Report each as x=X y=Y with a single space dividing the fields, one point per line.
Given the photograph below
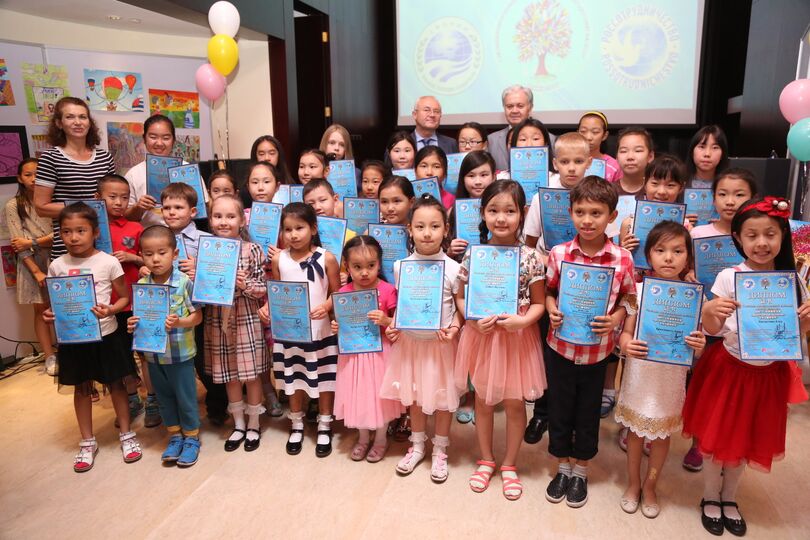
x=669 y=311
x=332 y=232
x=467 y=213
x=360 y=212
x=282 y=195
x=357 y=334
x=453 y=166
x=648 y=215
x=410 y=174
x=427 y=185
x=598 y=168
x=265 y=222
x=190 y=174
x=712 y=255
x=624 y=209
x=343 y=178
x=157 y=173
x=72 y=297
x=584 y=293
x=420 y=287
x=394 y=242
x=296 y=193
x=555 y=219
x=492 y=288
x=767 y=322
x=215 y=276
x=151 y=303
x=528 y=166
x=289 y=311
x=701 y=203
x=104 y=240
x=182 y=254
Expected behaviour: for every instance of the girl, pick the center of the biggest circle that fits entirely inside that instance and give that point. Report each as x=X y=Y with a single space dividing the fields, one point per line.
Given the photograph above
x=312 y=164
x=31 y=238
x=634 y=154
x=262 y=182
x=594 y=127
x=396 y=198
x=477 y=171
x=471 y=137
x=707 y=155
x=337 y=141
x=359 y=376
x=107 y=361
x=307 y=368
x=532 y=132
x=400 y=151
x=432 y=161
x=268 y=148
x=221 y=183
x=420 y=367
x=235 y=353
x=731 y=188
x=652 y=393
x=502 y=354
x=738 y=409
x=159 y=138
x=372 y=173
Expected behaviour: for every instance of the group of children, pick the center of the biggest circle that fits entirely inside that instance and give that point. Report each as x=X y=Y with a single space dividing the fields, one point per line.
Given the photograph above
x=736 y=411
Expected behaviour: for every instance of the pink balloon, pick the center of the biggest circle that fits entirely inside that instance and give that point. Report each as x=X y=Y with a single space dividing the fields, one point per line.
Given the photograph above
x=210 y=82
x=794 y=101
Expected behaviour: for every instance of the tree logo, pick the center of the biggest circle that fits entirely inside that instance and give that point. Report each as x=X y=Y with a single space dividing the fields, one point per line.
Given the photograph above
x=544 y=29
x=449 y=55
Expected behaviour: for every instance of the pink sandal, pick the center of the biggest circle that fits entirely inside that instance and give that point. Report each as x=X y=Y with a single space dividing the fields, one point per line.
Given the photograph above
x=377 y=453
x=512 y=486
x=479 y=480
x=359 y=451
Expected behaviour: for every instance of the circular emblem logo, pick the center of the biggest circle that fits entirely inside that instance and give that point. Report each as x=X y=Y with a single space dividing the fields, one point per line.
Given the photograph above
x=655 y=290
x=342 y=301
x=692 y=196
x=689 y=294
x=449 y=55
x=572 y=274
x=646 y=210
x=56 y=287
x=704 y=247
x=274 y=288
x=601 y=277
x=748 y=283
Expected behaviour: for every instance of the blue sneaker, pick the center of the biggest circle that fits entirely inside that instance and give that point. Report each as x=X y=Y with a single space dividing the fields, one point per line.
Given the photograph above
x=191 y=451
x=172 y=452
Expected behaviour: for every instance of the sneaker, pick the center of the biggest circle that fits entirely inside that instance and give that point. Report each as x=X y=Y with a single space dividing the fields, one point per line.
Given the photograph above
x=438 y=467
x=136 y=406
x=51 y=367
x=130 y=447
x=191 y=452
x=608 y=403
x=173 y=450
x=83 y=461
x=693 y=460
x=274 y=407
x=623 y=439
x=557 y=488
x=152 y=417
x=577 y=494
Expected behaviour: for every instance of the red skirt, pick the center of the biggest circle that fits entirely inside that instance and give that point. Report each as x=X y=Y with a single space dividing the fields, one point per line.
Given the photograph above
x=737 y=411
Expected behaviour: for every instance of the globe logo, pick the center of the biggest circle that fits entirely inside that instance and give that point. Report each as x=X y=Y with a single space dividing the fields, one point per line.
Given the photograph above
x=449 y=55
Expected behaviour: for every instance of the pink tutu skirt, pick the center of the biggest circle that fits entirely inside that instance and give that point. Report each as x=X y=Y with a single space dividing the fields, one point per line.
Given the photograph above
x=501 y=365
x=357 y=391
x=420 y=372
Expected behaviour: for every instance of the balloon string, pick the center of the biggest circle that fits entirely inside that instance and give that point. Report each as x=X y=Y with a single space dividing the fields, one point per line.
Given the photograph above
x=227 y=124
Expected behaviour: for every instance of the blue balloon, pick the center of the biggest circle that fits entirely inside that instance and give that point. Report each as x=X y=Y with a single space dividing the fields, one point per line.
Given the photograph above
x=798 y=139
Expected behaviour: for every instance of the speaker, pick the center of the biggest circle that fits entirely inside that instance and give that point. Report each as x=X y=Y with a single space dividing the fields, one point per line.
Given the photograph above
x=772 y=174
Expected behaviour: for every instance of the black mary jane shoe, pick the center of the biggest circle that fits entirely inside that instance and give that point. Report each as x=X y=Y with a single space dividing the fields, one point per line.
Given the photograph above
x=323 y=450
x=253 y=444
x=294 y=448
x=713 y=525
x=231 y=445
x=737 y=527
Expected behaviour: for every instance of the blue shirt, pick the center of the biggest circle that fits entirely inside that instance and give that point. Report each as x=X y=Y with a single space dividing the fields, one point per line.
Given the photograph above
x=191 y=236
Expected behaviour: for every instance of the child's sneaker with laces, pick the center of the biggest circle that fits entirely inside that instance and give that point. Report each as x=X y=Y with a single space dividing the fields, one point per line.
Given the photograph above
x=152 y=408
x=135 y=406
x=130 y=447
x=173 y=450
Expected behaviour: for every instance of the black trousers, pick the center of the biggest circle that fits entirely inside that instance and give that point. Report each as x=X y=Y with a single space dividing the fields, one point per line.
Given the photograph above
x=216 y=400
x=574 y=400
x=541 y=404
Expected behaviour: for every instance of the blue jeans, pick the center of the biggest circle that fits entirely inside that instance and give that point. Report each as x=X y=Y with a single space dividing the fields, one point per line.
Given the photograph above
x=176 y=389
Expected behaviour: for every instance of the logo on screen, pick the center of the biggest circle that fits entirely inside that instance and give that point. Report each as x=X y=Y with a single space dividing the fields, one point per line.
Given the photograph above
x=449 y=55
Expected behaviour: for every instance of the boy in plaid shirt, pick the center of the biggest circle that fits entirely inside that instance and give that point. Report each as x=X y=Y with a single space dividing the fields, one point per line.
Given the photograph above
x=576 y=373
x=172 y=372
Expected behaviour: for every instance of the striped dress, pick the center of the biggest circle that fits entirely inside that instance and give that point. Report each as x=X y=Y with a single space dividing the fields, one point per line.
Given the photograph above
x=311 y=367
x=71 y=180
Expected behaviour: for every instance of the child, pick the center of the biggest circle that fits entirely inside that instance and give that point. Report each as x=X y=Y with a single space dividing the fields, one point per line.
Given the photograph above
x=396 y=198
x=268 y=148
x=235 y=352
x=312 y=164
x=594 y=127
x=471 y=137
x=738 y=409
x=359 y=376
x=108 y=361
x=307 y=368
x=400 y=151
x=477 y=171
x=337 y=141
x=635 y=152
x=730 y=188
x=158 y=138
x=172 y=372
x=31 y=236
x=262 y=182
x=431 y=161
x=707 y=155
x=320 y=195
x=221 y=183
x=652 y=393
x=372 y=174
x=576 y=373
x=420 y=366
x=502 y=354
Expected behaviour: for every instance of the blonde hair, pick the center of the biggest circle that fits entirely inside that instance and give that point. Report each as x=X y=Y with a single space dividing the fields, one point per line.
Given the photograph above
x=572 y=140
x=347 y=139
x=243 y=232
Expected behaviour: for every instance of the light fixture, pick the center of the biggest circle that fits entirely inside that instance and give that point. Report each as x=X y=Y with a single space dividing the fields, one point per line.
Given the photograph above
x=114 y=17
x=134 y=20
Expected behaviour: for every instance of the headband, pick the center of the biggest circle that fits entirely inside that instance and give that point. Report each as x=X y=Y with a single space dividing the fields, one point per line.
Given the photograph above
x=600 y=115
x=773 y=206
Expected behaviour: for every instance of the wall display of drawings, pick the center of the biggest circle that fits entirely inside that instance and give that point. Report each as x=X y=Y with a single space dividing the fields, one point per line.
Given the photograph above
x=182 y=107
x=6 y=92
x=113 y=91
x=13 y=149
x=44 y=86
x=125 y=143
x=187 y=147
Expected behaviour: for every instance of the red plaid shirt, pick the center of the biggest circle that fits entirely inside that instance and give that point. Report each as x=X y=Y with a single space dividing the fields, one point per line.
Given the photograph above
x=611 y=256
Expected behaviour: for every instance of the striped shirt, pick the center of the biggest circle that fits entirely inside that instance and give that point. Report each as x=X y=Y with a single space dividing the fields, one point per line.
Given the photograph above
x=71 y=180
x=181 y=346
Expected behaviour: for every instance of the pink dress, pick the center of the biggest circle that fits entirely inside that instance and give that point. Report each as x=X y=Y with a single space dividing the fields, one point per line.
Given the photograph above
x=501 y=364
x=360 y=376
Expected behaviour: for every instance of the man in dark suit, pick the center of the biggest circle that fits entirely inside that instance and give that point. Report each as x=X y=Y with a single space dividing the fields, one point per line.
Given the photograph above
x=427 y=114
x=517 y=106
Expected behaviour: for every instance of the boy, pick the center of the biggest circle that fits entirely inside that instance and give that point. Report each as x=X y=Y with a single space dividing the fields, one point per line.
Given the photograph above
x=179 y=207
x=634 y=154
x=576 y=373
x=172 y=372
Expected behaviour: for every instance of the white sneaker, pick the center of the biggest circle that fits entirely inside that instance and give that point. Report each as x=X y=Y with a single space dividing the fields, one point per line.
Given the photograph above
x=51 y=367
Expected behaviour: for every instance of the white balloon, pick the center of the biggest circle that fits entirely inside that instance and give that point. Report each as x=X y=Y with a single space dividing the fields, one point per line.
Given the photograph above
x=223 y=18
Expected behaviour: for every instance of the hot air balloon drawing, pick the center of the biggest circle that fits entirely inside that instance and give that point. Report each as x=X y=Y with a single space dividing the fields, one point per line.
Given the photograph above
x=116 y=91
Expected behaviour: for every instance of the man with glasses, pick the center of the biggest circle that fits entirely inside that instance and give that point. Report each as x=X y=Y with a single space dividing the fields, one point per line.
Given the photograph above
x=517 y=106
x=427 y=113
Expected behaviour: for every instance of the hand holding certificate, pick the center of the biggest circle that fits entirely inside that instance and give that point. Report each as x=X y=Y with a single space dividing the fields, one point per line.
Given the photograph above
x=394 y=242
x=700 y=202
x=289 y=311
x=356 y=333
x=72 y=300
x=215 y=278
x=190 y=174
x=493 y=284
x=420 y=287
x=151 y=304
x=529 y=168
x=584 y=294
x=157 y=173
x=265 y=222
x=648 y=215
x=767 y=319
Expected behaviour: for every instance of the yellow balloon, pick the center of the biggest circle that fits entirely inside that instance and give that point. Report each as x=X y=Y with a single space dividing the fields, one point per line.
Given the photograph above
x=223 y=53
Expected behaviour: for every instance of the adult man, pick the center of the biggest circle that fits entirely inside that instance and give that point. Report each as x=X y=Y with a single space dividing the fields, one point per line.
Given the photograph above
x=427 y=113
x=517 y=106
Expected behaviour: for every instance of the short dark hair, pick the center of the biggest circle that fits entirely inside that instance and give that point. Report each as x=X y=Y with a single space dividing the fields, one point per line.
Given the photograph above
x=317 y=183
x=375 y=164
x=666 y=166
x=428 y=151
x=111 y=179
x=667 y=230
x=159 y=232
x=79 y=209
x=222 y=173
x=482 y=132
x=641 y=132
x=179 y=190
x=366 y=241
x=740 y=174
x=305 y=213
x=401 y=182
x=595 y=189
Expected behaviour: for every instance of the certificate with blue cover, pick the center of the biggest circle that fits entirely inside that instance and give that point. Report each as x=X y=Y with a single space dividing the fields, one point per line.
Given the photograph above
x=713 y=254
x=343 y=178
x=701 y=203
x=420 y=287
x=598 y=168
x=182 y=254
x=624 y=209
x=157 y=173
x=492 y=287
x=282 y=195
x=528 y=166
x=669 y=311
x=427 y=185
x=289 y=311
x=453 y=166
x=584 y=293
x=296 y=193
x=215 y=276
x=394 y=242
x=410 y=174
x=356 y=333
x=332 y=232
x=360 y=212
x=555 y=218
x=190 y=174
x=265 y=223
x=72 y=298
x=104 y=240
x=467 y=214
x=648 y=215
x=767 y=319
x=151 y=303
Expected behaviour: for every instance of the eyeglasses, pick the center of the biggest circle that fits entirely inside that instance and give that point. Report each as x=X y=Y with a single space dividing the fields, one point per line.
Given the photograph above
x=428 y=110
x=470 y=142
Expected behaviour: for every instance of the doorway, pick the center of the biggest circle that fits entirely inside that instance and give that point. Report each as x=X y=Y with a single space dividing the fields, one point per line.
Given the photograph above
x=313 y=77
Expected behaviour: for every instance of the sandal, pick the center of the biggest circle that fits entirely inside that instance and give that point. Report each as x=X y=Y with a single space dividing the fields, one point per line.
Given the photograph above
x=377 y=453
x=359 y=451
x=464 y=416
x=479 y=480
x=438 y=467
x=83 y=461
x=233 y=444
x=130 y=447
x=512 y=486
x=408 y=463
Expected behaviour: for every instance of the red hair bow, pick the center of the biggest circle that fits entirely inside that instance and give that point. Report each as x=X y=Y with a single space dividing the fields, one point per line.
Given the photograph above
x=773 y=206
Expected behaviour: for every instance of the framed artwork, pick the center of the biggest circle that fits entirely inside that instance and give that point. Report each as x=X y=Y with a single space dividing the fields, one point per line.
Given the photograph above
x=13 y=149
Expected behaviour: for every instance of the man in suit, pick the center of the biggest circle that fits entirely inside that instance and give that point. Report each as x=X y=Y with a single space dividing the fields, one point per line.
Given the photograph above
x=517 y=106
x=427 y=113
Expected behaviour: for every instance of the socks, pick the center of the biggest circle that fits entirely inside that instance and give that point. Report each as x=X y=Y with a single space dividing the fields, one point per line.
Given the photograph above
x=253 y=412
x=580 y=471
x=324 y=424
x=609 y=392
x=297 y=422
x=712 y=483
x=364 y=436
x=440 y=444
x=565 y=468
x=418 y=439
x=731 y=480
x=237 y=410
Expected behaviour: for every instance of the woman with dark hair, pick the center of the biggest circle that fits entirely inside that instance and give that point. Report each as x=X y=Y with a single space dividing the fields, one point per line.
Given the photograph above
x=268 y=148
x=707 y=156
